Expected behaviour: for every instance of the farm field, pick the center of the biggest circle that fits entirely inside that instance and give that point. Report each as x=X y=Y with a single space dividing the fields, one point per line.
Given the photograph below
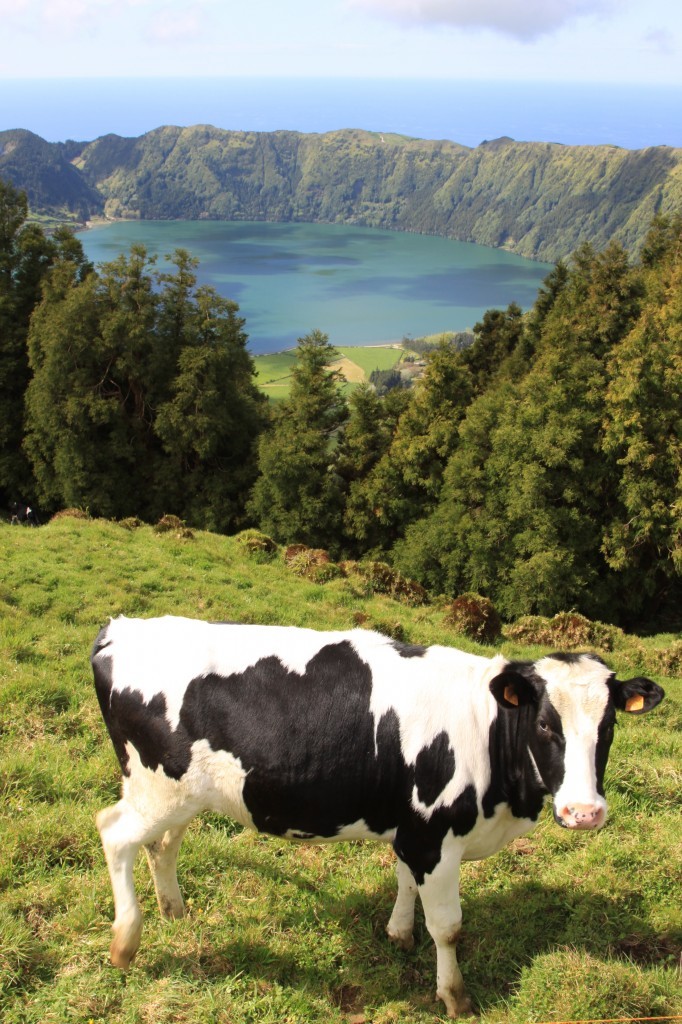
x=557 y=927
x=355 y=363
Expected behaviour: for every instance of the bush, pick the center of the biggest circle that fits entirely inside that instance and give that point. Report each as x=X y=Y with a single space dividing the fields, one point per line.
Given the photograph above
x=667 y=661
x=71 y=513
x=259 y=545
x=395 y=630
x=380 y=578
x=172 y=524
x=476 y=617
x=168 y=523
x=313 y=564
x=130 y=523
x=567 y=630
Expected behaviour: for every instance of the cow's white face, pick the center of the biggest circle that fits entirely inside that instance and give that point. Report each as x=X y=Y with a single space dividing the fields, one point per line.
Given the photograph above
x=568 y=706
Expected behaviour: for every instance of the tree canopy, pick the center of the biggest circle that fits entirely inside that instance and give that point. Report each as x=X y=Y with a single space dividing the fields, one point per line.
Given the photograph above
x=540 y=465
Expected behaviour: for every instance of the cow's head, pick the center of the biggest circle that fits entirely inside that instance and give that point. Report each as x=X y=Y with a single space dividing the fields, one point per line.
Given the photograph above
x=569 y=703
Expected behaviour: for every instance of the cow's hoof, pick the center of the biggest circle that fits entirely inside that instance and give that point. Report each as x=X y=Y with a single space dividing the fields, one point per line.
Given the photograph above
x=404 y=941
x=125 y=943
x=458 y=1006
x=121 y=957
x=171 y=910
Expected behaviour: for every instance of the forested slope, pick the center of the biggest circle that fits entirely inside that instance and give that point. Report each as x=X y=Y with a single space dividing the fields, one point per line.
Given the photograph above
x=540 y=200
x=540 y=466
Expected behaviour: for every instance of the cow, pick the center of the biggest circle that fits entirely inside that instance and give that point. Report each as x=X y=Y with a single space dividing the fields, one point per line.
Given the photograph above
x=23 y=514
x=328 y=736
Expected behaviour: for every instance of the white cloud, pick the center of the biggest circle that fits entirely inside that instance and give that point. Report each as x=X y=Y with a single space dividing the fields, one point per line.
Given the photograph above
x=523 y=19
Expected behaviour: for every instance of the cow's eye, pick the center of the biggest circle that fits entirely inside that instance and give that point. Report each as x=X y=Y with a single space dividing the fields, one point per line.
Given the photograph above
x=544 y=728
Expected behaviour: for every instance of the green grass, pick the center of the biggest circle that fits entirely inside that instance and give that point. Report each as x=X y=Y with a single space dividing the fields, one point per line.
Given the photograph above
x=371 y=357
x=556 y=927
x=273 y=371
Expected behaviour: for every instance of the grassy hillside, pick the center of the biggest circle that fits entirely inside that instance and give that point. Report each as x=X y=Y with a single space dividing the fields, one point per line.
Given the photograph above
x=540 y=200
x=557 y=926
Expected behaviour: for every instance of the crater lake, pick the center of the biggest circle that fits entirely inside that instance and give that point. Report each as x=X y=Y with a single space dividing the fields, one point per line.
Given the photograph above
x=361 y=286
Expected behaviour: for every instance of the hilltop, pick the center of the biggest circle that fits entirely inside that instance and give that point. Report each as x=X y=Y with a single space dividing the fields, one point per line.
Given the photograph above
x=540 y=200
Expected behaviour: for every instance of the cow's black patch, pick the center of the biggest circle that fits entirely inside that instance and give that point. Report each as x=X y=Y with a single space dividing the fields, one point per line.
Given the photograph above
x=418 y=841
x=573 y=657
x=434 y=767
x=408 y=650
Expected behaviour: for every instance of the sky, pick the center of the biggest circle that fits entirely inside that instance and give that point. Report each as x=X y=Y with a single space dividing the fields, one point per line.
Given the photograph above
x=533 y=40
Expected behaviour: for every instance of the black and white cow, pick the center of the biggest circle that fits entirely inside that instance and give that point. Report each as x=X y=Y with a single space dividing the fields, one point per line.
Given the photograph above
x=350 y=735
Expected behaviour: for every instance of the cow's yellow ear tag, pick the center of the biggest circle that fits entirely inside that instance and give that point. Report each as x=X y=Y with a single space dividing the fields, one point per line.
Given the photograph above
x=635 y=703
x=511 y=696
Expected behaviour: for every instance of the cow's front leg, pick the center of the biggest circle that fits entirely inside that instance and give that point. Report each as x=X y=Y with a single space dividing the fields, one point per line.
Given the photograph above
x=439 y=894
x=401 y=924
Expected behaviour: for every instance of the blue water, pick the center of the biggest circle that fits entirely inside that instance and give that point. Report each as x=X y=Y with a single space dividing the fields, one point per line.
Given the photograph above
x=631 y=116
x=360 y=286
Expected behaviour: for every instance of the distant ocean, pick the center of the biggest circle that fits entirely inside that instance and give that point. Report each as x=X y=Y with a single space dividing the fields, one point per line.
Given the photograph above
x=468 y=112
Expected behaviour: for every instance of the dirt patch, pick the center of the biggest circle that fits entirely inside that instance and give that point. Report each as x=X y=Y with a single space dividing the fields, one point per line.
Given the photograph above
x=349 y=370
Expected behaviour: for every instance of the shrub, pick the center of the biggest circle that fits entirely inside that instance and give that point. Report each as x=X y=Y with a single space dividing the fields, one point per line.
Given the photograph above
x=71 y=513
x=130 y=523
x=257 y=544
x=566 y=630
x=380 y=578
x=168 y=523
x=172 y=524
x=312 y=563
x=668 y=661
x=476 y=617
x=395 y=630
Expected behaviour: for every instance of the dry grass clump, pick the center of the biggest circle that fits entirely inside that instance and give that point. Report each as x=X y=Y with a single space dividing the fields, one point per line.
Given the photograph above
x=476 y=617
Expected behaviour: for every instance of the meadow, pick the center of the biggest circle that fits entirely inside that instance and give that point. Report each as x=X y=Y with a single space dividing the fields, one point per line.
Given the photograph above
x=356 y=362
x=557 y=927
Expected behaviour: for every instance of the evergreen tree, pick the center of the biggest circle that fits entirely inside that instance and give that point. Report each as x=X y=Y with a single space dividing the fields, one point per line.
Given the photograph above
x=525 y=491
x=142 y=399
x=495 y=338
x=643 y=431
x=88 y=424
x=211 y=421
x=26 y=254
x=406 y=480
x=366 y=439
x=298 y=496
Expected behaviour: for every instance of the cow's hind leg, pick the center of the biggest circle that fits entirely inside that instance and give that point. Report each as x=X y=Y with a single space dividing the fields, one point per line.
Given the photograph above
x=401 y=924
x=123 y=830
x=162 y=855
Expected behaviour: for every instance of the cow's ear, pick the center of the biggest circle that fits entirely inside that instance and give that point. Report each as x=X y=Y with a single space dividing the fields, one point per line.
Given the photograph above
x=636 y=695
x=512 y=690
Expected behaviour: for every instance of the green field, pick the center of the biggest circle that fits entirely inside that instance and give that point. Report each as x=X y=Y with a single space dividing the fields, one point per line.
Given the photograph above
x=557 y=927
x=273 y=371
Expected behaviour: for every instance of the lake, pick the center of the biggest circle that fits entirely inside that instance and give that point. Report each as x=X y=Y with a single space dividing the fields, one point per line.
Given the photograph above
x=361 y=286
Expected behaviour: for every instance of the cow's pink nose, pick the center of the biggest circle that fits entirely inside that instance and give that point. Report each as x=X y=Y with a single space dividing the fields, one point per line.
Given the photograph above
x=582 y=815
